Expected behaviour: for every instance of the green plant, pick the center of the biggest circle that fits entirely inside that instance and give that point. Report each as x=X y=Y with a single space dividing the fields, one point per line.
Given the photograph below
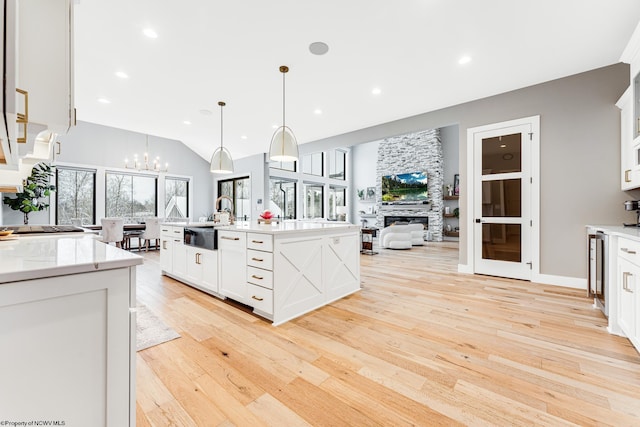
x=36 y=188
x=361 y=194
x=456 y=212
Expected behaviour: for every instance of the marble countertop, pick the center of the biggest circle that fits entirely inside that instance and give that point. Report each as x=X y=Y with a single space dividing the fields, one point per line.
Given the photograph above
x=284 y=226
x=618 y=230
x=290 y=226
x=25 y=258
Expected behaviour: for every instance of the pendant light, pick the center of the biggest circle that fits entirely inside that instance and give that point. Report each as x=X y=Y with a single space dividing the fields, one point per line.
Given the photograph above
x=284 y=147
x=221 y=161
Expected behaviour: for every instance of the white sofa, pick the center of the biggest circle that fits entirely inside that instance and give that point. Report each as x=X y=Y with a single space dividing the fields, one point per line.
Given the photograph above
x=417 y=234
x=395 y=237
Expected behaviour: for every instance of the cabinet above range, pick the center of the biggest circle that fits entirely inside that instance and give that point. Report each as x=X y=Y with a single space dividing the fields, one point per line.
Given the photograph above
x=37 y=102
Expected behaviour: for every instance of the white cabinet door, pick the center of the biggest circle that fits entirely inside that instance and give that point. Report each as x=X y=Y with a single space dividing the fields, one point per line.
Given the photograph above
x=232 y=247
x=166 y=255
x=70 y=342
x=628 y=278
x=209 y=261
x=194 y=264
x=179 y=258
x=45 y=61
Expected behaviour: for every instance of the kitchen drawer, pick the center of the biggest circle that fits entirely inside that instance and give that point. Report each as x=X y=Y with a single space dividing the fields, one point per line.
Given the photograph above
x=260 y=259
x=261 y=299
x=232 y=240
x=172 y=232
x=261 y=277
x=261 y=242
x=629 y=250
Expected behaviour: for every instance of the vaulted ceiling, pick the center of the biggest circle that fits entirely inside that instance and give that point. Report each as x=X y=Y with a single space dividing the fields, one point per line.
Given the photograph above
x=409 y=51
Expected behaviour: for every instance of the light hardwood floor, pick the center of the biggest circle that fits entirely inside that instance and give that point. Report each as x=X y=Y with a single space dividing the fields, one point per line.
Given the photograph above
x=419 y=345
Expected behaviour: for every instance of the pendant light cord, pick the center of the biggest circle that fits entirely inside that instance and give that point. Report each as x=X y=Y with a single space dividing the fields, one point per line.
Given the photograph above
x=221 y=125
x=283 y=98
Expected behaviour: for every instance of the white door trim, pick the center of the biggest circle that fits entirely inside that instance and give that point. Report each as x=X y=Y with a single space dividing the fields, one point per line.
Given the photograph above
x=534 y=122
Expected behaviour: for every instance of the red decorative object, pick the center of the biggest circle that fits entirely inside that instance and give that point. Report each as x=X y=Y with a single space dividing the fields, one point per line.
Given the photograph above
x=266 y=214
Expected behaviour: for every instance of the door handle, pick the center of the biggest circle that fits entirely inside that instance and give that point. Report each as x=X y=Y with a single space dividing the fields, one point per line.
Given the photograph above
x=478 y=221
x=625 y=281
x=164 y=244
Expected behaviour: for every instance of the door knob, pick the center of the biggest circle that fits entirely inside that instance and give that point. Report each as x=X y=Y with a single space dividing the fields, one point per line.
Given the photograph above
x=478 y=220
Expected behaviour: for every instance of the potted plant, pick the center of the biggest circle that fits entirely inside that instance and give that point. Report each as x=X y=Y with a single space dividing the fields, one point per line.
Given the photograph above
x=36 y=188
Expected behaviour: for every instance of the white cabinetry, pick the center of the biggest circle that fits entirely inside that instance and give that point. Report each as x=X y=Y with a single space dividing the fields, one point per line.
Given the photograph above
x=630 y=117
x=232 y=246
x=195 y=266
x=260 y=273
x=69 y=349
x=627 y=288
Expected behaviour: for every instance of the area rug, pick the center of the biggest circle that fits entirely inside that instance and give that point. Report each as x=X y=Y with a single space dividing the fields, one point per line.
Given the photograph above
x=150 y=330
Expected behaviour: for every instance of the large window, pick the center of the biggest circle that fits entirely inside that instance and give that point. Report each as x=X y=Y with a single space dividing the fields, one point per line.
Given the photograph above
x=338 y=164
x=239 y=190
x=176 y=198
x=313 y=200
x=132 y=197
x=313 y=164
x=285 y=166
x=337 y=197
x=75 y=196
x=283 y=198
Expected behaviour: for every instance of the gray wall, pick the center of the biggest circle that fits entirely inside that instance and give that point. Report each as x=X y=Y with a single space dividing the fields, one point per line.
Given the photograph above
x=102 y=146
x=579 y=150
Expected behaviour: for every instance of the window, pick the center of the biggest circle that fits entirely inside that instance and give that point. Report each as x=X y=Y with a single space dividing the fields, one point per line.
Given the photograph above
x=176 y=198
x=338 y=165
x=313 y=164
x=285 y=166
x=283 y=198
x=132 y=197
x=337 y=197
x=239 y=190
x=75 y=196
x=313 y=200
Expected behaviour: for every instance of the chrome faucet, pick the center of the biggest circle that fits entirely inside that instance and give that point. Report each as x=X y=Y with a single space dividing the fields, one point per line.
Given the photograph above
x=231 y=217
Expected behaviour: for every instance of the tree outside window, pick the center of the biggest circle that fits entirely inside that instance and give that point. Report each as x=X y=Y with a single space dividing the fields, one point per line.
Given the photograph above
x=75 y=198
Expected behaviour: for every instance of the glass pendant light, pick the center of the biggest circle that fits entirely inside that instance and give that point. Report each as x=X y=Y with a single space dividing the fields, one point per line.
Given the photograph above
x=284 y=147
x=221 y=161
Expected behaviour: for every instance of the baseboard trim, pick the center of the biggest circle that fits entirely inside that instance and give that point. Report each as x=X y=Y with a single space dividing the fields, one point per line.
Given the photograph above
x=565 y=281
x=465 y=268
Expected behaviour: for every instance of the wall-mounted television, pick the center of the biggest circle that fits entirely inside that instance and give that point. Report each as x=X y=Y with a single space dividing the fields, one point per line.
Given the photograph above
x=405 y=187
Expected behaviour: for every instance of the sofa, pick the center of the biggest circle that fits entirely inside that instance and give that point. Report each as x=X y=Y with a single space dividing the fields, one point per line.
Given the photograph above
x=396 y=237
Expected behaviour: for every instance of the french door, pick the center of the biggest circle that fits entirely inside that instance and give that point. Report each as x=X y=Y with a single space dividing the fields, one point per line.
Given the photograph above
x=502 y=198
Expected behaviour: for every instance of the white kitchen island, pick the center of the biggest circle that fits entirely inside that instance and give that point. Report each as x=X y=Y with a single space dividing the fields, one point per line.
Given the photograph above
x=67 y=332
x=280 y=270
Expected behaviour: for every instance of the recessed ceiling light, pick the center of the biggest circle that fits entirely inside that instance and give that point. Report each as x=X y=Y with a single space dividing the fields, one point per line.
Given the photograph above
x=150 y=33
x=317 y=111
x=503 y=145
x=464 y=60
x=243 y=137
x=186 y=122
x=376 y=91
x=318 y=48
x=104 y=101
x=122 y=74
x=205 y=112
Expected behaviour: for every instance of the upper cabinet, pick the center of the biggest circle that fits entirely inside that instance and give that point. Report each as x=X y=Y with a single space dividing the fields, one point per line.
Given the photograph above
x=629 y=104
x=37 y=99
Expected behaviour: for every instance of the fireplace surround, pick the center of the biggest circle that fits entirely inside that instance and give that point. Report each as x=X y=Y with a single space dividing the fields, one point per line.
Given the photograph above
x=390 y=219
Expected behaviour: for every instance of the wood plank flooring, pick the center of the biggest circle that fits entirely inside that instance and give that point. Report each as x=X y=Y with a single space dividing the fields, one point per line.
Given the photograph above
x=419 y=345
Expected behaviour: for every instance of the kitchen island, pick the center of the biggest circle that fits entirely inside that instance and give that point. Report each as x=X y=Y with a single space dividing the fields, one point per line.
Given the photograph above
x=281 y=270
x=67 y=331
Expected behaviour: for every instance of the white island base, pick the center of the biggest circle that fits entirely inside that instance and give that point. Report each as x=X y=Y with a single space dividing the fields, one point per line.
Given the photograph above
x=280 y=270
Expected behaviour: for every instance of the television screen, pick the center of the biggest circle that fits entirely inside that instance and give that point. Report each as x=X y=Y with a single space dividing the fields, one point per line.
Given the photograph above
x=405 y=187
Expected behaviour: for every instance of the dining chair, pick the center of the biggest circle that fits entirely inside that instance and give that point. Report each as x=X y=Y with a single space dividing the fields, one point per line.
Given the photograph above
x=151 y=232
x=113 y=230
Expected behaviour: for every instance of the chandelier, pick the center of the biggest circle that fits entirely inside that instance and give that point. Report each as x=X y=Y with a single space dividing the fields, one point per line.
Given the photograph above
x=145 y=164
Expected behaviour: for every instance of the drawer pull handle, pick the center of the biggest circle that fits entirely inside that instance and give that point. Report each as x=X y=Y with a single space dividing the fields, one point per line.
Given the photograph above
x=258 y=241
x=164 y=244
x=257 y=277
x=628 y=251
x=177 y=241
x=625 y=281
x=230 y=238
x=257 y=298
x=257 y=259
x=176 y=231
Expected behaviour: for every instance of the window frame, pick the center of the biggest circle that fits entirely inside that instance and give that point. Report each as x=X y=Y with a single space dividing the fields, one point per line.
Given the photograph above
x=175 y=178
x=132 y=175
x=94 y=172
x=305 y=206
x=310 y=156
x=295 y=194
x=234 y=195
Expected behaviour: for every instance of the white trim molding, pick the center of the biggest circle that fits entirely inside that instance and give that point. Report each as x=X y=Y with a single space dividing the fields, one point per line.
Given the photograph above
x=564 y=281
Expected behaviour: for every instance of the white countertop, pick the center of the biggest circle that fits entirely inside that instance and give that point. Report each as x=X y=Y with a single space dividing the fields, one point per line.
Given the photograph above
x=290 y=226
x=25 y=258
x=618 y=230
x=284 y=226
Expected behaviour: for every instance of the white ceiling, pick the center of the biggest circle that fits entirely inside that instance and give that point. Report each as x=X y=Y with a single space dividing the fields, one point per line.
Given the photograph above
x=207 y=51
